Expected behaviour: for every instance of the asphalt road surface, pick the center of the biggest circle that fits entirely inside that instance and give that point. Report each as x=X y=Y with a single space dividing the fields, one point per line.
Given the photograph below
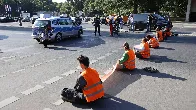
x=32 y=77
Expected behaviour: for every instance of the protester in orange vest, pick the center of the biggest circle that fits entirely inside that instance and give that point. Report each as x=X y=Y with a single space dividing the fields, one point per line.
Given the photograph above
x=88 y=87
x=142 y=50
x=167 y=32
x=153 y=42
x=128 y=59
x=159 y=34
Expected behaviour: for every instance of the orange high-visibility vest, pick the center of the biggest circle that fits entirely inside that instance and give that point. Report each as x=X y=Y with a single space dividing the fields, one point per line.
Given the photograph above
x=154 y=42
x=146 y=52
x=130 y=63
x=94 y=88
x=160 y=36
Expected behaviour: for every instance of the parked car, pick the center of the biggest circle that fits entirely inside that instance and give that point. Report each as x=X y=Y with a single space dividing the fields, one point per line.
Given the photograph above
x=27 y=19
x=60 y=28
x=6 y=19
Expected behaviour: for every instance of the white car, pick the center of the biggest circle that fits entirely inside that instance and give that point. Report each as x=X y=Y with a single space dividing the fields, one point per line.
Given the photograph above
x=60 y=28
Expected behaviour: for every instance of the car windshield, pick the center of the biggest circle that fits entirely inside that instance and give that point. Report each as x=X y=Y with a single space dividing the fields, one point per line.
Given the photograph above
x=41 y=23
x=158 y=16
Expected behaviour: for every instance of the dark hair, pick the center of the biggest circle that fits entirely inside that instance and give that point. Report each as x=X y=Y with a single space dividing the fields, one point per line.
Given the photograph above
x=148 y=36
x=83 y=60
x=145 y=39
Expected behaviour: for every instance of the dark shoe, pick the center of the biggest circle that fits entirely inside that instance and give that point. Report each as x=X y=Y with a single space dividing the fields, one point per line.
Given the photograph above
x=99 y=34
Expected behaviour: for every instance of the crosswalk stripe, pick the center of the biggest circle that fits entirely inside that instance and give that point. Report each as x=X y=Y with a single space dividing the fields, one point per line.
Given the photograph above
x=31 y=90
x=69 y=72
x=8 y=101
x=47 y=109
x=53 y=80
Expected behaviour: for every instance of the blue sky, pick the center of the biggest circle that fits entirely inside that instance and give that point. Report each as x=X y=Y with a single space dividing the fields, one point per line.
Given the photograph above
x=58 y=1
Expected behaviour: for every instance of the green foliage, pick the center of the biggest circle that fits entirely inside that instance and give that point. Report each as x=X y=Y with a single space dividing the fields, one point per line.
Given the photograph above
x=103 y=7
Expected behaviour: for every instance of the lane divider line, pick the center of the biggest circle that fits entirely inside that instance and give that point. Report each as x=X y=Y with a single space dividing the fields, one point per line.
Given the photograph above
x=8 y=101
x=18 y=71
x=31 y=90
x=69 y=72
x=53 y=80
x=102 y=57
x=93 y=61
x=2 y=76
x=7 y=57
x=47 y=109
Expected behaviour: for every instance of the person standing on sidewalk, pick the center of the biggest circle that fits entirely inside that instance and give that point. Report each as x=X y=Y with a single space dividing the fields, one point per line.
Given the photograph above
x=97 y=23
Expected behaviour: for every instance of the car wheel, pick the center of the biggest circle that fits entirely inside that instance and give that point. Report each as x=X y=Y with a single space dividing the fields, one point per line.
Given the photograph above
x=58 y=37
x=38 y=40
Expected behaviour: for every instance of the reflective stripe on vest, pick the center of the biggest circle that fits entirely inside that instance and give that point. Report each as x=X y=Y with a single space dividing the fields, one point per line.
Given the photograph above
x=86 y=88
x=97 y=92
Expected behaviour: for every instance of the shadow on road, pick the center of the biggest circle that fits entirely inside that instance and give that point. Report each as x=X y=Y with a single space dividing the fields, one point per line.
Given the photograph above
x=160 y=75
x=119 y=80
x=2 y=37
x=113 y=103
x=182 y=39
x=165 y=48
x=84 y=42
x=12 y=28
x=161 y=59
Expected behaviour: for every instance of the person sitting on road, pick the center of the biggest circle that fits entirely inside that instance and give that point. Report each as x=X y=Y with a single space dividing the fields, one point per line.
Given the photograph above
x=128 y=59
x=159 y=34
x=167 y=32
x=142 y=51
x=88 y=87
x=153 y=42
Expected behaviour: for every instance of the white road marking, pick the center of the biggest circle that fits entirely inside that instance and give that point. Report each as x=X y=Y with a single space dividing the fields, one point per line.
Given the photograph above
x=8 y=101
x=115 y=51
x=7 y=57
x=59 y=102
x=31 y=90
x=47 y=109
x=69 y=72
x=2 y=76
x=78 y=67
x=18 y=71
x=102 y=57
x=53 y=80
x=108 y=54
x=19 y=48
x=93 y=61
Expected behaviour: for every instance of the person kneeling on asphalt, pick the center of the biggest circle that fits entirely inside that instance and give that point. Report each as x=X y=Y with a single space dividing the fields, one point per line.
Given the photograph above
x=167 y=32
x=153 y=42
x=142 y=51
x=128 y=59
x=88 y=87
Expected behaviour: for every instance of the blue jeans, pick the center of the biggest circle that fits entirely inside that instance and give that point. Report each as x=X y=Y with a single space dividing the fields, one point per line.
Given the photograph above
x=132 y=27
x=148 y=27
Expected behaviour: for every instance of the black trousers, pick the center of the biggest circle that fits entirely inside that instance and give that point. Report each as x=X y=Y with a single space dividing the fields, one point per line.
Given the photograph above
x=71 y=95
x=97 y=27
x=138 y=55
